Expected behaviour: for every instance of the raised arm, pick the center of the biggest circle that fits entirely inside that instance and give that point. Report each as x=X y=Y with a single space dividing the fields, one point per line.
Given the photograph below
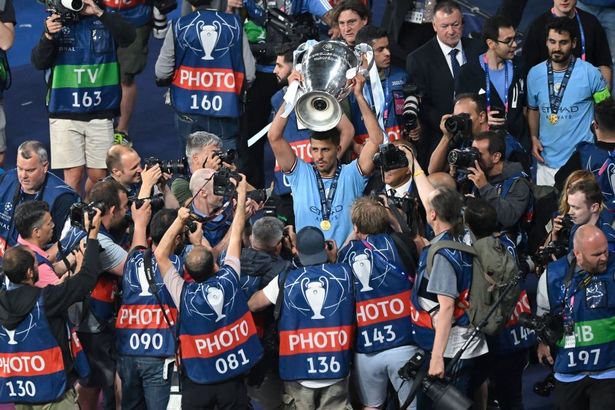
x=239 y=220
x=167 y=243
x=374 y=132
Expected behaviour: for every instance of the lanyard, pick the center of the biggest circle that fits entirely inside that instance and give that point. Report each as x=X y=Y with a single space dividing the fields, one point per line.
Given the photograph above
x=326 y=201
x=387 y=96
x=581 y=31
x=488 y=84
x=555 y=99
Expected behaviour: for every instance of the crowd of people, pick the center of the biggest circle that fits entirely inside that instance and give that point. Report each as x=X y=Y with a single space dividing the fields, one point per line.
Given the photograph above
x=387 y=262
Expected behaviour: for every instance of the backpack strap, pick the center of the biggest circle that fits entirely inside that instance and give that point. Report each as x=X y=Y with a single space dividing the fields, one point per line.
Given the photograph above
x=280 y=299
x=407 y=252
x=445 y=244
x=149 y=274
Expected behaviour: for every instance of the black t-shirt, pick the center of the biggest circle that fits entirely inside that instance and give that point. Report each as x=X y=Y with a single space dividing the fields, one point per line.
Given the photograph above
x=8 y=14
x=596 y=44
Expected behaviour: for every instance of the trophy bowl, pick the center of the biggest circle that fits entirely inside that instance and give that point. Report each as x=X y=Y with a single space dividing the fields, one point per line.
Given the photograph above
x=324 y=67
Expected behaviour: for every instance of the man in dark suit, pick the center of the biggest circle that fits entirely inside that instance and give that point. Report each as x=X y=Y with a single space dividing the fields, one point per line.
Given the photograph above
x=433 y=67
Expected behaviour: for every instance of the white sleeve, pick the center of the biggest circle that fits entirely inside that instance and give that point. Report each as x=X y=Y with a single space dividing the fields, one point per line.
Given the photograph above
x=542 y=296
x=271 y=290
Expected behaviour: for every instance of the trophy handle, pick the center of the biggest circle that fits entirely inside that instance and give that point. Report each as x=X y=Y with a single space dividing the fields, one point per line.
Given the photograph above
x=325 y=284
x=364 y=50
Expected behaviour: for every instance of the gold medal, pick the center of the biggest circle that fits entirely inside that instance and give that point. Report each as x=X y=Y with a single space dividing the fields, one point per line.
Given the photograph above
x=325 y=225
x=553 y=118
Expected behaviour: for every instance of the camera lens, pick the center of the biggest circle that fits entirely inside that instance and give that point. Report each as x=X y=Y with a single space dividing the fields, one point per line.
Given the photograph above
x=319 y=104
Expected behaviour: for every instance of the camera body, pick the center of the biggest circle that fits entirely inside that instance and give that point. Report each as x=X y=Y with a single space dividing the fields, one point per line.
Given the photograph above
x=67 y=9
x=549 y=327
x=79 y=209
x=223 y=186
x=390 y=157
x=463 y=158
x=567 y=225
x=228 y=156
x=460 y=124
x=544 y=256
x=170 y=166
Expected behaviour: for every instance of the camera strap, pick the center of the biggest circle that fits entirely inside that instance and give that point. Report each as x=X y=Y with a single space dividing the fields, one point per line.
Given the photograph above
x=153 y=289
x=326 y=198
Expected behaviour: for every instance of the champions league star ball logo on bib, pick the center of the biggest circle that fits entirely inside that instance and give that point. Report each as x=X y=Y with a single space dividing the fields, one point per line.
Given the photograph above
x=311 y=296
x=14 y=336
x=209 y=35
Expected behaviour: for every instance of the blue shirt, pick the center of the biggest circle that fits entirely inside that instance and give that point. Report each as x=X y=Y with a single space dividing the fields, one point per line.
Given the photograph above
x=575 y=113
x=306 y=198
x=316 y=7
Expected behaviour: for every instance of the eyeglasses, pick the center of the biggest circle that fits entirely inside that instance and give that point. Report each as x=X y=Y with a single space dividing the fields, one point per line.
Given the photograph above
x=509 y=42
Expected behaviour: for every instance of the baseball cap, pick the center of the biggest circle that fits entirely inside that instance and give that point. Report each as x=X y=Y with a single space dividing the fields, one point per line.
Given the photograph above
x=311 y=246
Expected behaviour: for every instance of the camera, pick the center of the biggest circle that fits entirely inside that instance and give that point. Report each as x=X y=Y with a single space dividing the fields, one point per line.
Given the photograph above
x=257 y=195
x=443 y=395
x=223 y=186
x=463 y=158
x=460 y=124
x=170 y=166
x=567 y=225
x=549 y=327
x=67 y=9
x=228 y=156
x=165 y=6
x=410 y=113
x=79 y=209
x=390 y=157
x=545 y=255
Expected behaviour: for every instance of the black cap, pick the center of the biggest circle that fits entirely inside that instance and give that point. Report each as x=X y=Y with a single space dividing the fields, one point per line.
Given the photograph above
x=311 y=246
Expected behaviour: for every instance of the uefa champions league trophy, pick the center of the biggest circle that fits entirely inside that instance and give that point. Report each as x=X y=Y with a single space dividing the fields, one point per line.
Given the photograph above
x=215 y=299
x=208 y=36
x=328 y=68
x=362 y=268
x=315 y=294
x=11 y=334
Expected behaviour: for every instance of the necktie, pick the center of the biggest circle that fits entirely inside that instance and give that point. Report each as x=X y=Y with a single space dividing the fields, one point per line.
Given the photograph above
x=454 y=63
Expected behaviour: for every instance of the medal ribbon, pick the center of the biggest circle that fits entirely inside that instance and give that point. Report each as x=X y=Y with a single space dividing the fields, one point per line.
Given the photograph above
x=488 y=84
x=555 y=99
x=326 y=201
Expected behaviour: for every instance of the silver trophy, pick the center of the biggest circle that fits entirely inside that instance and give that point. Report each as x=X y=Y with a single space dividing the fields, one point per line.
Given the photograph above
x=315 y=294
x=327 y=68
x=215 y=299
x=362 y=268
x=208 y=37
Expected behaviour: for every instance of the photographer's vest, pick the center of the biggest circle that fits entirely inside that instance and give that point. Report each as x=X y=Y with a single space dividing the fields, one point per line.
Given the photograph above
x=513 y=336
x=217 y=335
x=101 y=300
x=593 y=315
x=299 y=141
x=316 y=323
x=136 y=12
x=394 y=98
x=86 y=75
x=31 y=364
x=424 y=331
x=141 y=328
x=591 y=156
x=382 y=294
x=603 y=224
x=209 y=69
x=215 y=228
x=11 y=196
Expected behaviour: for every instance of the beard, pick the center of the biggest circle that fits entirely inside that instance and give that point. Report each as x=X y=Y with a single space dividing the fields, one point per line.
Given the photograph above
x=559 y=57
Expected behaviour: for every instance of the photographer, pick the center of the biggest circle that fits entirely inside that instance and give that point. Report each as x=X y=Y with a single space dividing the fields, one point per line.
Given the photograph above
x=502 y=183
x=585 y=201
x=82 y=102
x=31 y=180
x=209 y=309
x=441 y=297
x=380 y=279
x=95 y=321
x=577 y=290
x=36 y=320
x=146 y=348
x=469 y=118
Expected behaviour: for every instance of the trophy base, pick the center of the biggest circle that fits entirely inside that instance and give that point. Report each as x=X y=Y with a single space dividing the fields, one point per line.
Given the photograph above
x=318 y=111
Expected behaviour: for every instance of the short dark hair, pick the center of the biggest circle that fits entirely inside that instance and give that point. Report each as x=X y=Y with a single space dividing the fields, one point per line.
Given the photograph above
x=200 y=3
x=332 y=135
x=480 y=217
x=28 y=216
x=286 y=50
x=200 y=263
x=563 y=24
x=492 y=26
x=447 y=204
x=107 y=191
x=368 y=34
x=354 y=5
x=497 y=141
x=114 y=156
x=591 y=189
x=479 y=100
x=604 y=113
x=16 y=262
x=160 y=223
x=447 y=6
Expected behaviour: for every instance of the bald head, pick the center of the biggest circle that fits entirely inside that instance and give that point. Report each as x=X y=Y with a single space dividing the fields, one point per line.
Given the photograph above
x=442 y=180
x=199 y=179
x=591 y=248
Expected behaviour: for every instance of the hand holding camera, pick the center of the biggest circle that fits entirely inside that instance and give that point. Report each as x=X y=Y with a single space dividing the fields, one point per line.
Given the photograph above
x=141 y=214
x=213 y=161
x=53 y=25
x=149 y=177
x=477 y=175
x=92 y=221
x=496 y=118
x=90 y=8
